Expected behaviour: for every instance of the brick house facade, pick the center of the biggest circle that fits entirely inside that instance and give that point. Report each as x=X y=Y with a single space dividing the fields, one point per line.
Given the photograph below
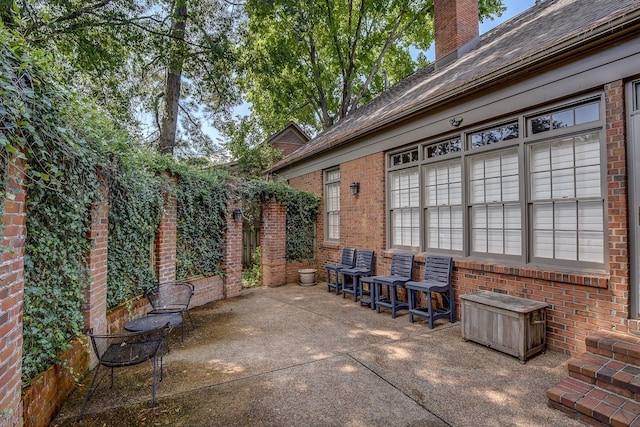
x=554 y=60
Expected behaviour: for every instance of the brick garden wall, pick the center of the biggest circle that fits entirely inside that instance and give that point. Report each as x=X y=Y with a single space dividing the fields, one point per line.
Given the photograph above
x=579 y=303
x=11 y=295
x=43 y=399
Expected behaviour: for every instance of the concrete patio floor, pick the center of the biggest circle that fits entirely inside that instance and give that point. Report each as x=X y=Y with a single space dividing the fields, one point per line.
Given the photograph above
x=300 y=356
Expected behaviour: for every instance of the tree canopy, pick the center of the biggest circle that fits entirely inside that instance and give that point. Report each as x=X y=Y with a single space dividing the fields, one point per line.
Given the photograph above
x=315 y=62
x=138 y=57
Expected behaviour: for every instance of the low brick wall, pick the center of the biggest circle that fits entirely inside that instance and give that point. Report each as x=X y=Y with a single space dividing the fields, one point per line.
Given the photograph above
x=207 y=289
x=42 y=400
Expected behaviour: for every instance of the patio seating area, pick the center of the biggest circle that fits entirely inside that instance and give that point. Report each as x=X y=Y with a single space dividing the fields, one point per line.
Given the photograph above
x=298 y=356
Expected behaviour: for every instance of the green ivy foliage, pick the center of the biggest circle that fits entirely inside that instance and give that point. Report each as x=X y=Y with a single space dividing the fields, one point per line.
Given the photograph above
x=302 y=212
x=136 y=197
x=202 y=199
x=60 y=137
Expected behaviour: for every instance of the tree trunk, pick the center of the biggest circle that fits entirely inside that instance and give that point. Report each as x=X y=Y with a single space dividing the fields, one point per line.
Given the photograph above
x=174 y=76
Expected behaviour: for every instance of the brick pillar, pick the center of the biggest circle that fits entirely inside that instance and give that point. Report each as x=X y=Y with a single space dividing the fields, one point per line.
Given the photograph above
x=14 y=218
x=166 y=239
x=272 y=242
x=95 y=306
x=232 y=255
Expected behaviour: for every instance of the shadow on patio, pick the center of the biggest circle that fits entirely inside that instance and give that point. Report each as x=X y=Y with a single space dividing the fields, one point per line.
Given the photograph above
x=299 y=356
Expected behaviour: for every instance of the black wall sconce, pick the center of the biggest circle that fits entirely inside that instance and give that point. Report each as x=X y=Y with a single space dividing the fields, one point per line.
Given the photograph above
x=237 y=215
x=355 y=188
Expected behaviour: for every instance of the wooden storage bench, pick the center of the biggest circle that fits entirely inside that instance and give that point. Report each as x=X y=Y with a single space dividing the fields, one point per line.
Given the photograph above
x=516 y=326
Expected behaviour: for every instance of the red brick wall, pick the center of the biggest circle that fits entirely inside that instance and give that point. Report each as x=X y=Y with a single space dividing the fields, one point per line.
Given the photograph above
x=272 y=241
x=579 y=303
x=166 y=238
x=11 y=294
x=362 y=217
x=456 y=23
x=45 y=397
x=232 y=260
x=95 y=306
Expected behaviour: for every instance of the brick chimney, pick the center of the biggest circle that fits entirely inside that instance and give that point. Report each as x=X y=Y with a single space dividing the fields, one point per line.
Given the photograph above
x=457 y=28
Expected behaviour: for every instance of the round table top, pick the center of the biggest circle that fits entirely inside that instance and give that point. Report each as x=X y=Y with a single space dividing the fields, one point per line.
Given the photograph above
x=153 y=321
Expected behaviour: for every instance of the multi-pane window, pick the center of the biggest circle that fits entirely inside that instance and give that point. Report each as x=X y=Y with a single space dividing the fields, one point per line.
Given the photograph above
x=529 y=190
x=443 y=200
x=495 y=203
x=404 y=198
x=332 y=204
x=567 y=206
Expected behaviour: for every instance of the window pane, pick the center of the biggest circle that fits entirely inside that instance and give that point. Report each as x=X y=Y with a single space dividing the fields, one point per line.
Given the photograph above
x=590 y=216
x=543 y=244
x=477 y=191
x=591 y=246
x=562 y=154
x=587 y=113
x=479 y=217
x=588 y=181
x=540 y=158
x=495 y=216
x=493 y=190
x=562 y=183
x=562 y=119
x=543 y=216
x=512 y=242
x=566 y=245
x=495 y=243
x=512 y=217
x=540 y=124
x=479 y=240
x=541 y=186
x=565 y=216
x=587 y=149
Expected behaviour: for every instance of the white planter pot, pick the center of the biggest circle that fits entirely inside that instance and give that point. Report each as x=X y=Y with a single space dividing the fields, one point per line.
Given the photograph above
x=307 y=277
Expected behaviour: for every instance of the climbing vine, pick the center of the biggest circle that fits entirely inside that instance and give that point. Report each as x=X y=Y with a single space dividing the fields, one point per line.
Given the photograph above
x=302 y=212
x=202 y=198
x=136 y=196
x=60 y=138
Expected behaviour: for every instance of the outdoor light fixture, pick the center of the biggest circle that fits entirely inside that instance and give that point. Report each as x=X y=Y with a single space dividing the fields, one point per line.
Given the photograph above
x=455 y=122
x=237 y=215
x=355 y=188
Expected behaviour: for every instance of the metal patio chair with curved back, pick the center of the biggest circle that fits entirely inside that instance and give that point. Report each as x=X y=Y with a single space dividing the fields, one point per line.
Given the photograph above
x=171 y=297
x=122 y=350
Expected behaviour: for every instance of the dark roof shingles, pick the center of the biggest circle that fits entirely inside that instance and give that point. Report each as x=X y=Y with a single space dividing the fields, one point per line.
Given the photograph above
x=526 y=35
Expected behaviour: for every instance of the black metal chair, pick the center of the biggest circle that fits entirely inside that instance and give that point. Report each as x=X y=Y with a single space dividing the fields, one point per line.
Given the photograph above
x=437 y=278
x=363 y=267
x=171 y=297
x=122 y=350
x=401 y=272
x=347 y=260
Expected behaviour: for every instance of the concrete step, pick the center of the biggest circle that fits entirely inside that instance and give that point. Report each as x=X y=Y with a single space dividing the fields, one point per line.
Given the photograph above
x=593 y=405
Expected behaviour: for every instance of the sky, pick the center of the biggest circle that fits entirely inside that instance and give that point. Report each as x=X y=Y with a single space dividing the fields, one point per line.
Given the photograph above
x=514 y=7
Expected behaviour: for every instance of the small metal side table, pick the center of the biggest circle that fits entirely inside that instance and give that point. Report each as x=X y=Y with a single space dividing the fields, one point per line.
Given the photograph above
x=153 y=321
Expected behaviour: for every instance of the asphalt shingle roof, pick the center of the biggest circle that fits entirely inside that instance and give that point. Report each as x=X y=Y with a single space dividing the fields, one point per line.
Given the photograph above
x=549 y=28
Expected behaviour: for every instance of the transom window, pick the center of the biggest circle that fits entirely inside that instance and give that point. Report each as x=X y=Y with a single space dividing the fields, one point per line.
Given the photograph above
x=565 y=118
x=332 y=204
x=503 y=195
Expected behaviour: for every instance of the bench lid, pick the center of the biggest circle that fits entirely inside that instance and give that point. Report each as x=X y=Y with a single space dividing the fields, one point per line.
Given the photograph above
x=507 y=302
